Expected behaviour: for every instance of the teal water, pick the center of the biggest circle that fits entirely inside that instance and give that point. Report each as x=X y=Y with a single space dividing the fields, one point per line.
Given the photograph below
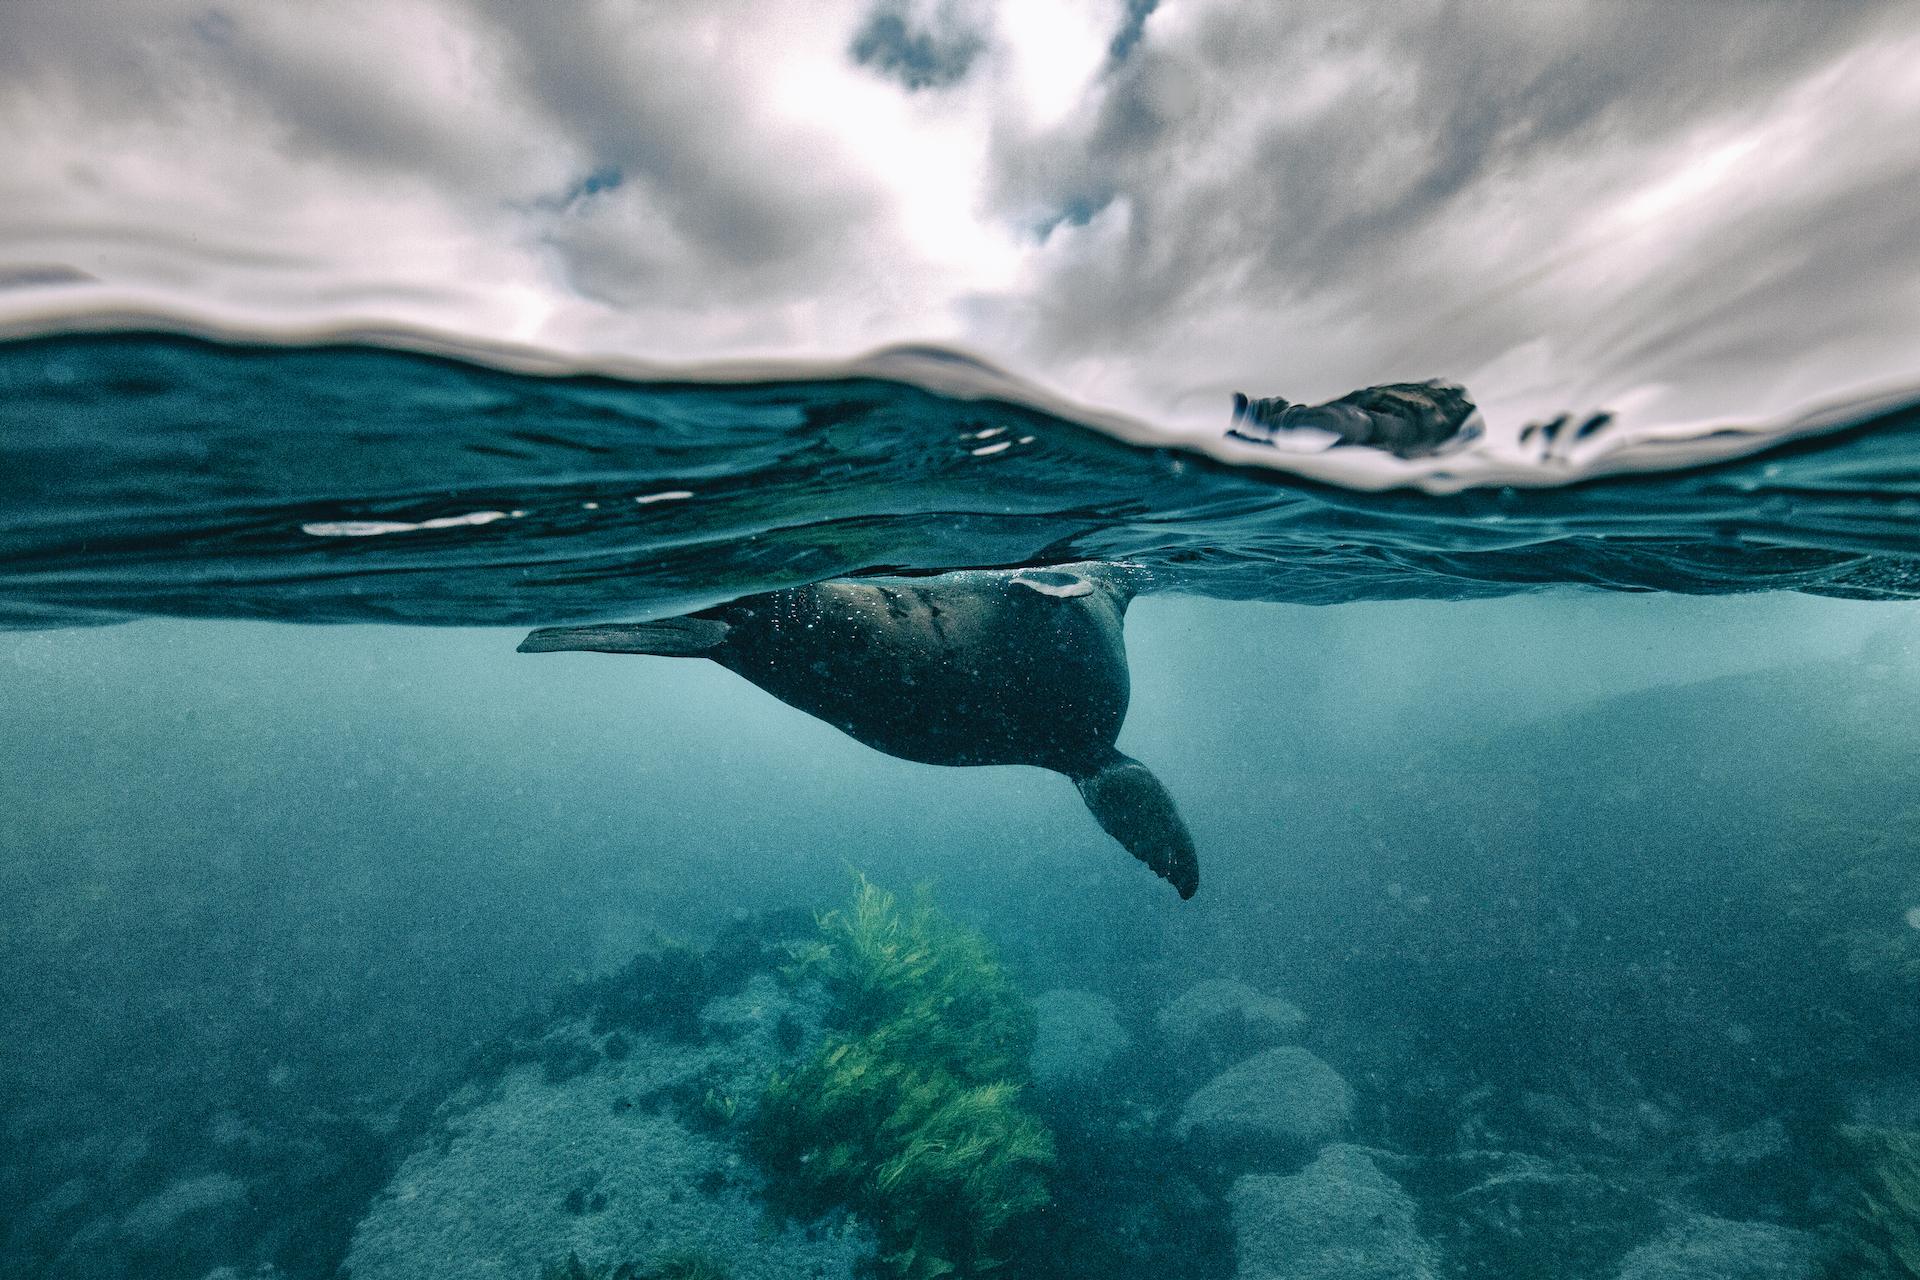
x=156 y=474
x=1575 y=931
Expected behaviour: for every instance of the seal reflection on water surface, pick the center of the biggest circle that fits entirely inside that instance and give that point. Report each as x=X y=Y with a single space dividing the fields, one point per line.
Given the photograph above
x=969 y=668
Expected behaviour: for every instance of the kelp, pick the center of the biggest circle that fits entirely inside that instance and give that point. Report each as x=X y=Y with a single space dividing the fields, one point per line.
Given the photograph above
x=911 y=1113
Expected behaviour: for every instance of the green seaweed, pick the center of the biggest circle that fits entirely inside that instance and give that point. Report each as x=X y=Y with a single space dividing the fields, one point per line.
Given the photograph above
x=1880 y=1235
x=719 y=1109
x=910 y=1114
x=683 y=1265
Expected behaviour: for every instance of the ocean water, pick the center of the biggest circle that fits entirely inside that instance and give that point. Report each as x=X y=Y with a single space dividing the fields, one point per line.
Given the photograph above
x=1556 y=816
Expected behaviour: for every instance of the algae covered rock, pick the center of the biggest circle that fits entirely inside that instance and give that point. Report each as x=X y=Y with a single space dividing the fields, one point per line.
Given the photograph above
x=1699 y=1247
x=1516 y=1215
x=1274 y=1109
x=1337 y=1219
x=634 y=1159
x=1223 y=1019
x=1077 y=1036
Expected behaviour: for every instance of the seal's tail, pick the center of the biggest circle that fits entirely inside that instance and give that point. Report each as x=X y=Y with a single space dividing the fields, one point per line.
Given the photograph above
x=1136 y=810
x=669 y=637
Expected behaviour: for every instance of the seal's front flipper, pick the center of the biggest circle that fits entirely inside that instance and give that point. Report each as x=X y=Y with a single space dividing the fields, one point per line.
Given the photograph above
x=1136 y=810
x=689 y=637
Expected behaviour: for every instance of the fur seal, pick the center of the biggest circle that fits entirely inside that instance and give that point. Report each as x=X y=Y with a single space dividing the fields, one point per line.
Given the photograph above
x=967 y=668
x=1408 y=419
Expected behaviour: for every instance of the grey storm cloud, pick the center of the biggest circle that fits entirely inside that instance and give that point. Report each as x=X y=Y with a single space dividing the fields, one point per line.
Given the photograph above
x=150 y=60
x=1173 y=199
x=1470 y=91
x=690 y=179
x=1340 y=197
x=639 y=168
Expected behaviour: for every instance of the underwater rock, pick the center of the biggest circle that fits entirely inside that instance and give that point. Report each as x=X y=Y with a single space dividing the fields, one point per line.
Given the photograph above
x=630 y=1160
x=1626 y=1125
x=1338 y=1218
x=1078 y=1035
x=1274 y=1109
x=1224 y=1020
x=1703 y=1248
x=1523 y=1215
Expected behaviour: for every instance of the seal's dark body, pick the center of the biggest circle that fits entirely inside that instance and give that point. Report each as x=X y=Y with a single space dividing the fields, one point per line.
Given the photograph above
x=1003 y=675
x=969 y=668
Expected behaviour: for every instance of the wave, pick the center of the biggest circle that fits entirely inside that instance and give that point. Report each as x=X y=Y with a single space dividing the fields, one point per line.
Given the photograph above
x=158 y=466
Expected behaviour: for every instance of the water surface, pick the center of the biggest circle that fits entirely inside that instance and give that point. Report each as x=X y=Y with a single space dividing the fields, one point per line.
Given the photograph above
x=1573 y=819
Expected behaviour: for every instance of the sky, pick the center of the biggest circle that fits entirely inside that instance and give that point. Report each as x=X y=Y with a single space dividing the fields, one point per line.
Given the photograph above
x=1672 y=211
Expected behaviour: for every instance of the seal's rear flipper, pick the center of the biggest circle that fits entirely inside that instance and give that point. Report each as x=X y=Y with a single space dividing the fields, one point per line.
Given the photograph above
x=1136 y=810
x=688 y=637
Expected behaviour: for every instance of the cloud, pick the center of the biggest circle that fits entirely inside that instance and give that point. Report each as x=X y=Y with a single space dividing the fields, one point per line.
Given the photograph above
x=1311 y=196
x=1145 y=204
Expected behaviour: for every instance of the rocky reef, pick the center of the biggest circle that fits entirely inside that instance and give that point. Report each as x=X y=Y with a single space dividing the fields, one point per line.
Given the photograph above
x=607 y=1135
x=871 y=1092
x=614 y=1146
x=812 y=1099
x=1272 y=1109
x=1338 y=1217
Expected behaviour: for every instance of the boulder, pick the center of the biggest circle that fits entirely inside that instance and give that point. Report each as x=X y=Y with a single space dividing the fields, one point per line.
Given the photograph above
x=1512 y=1214
x=1337 y=1219
x=1698 y=1247
x=1077 y=1037
x=1273 y=1110
x=629 y=1160
x=1223 y=1020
